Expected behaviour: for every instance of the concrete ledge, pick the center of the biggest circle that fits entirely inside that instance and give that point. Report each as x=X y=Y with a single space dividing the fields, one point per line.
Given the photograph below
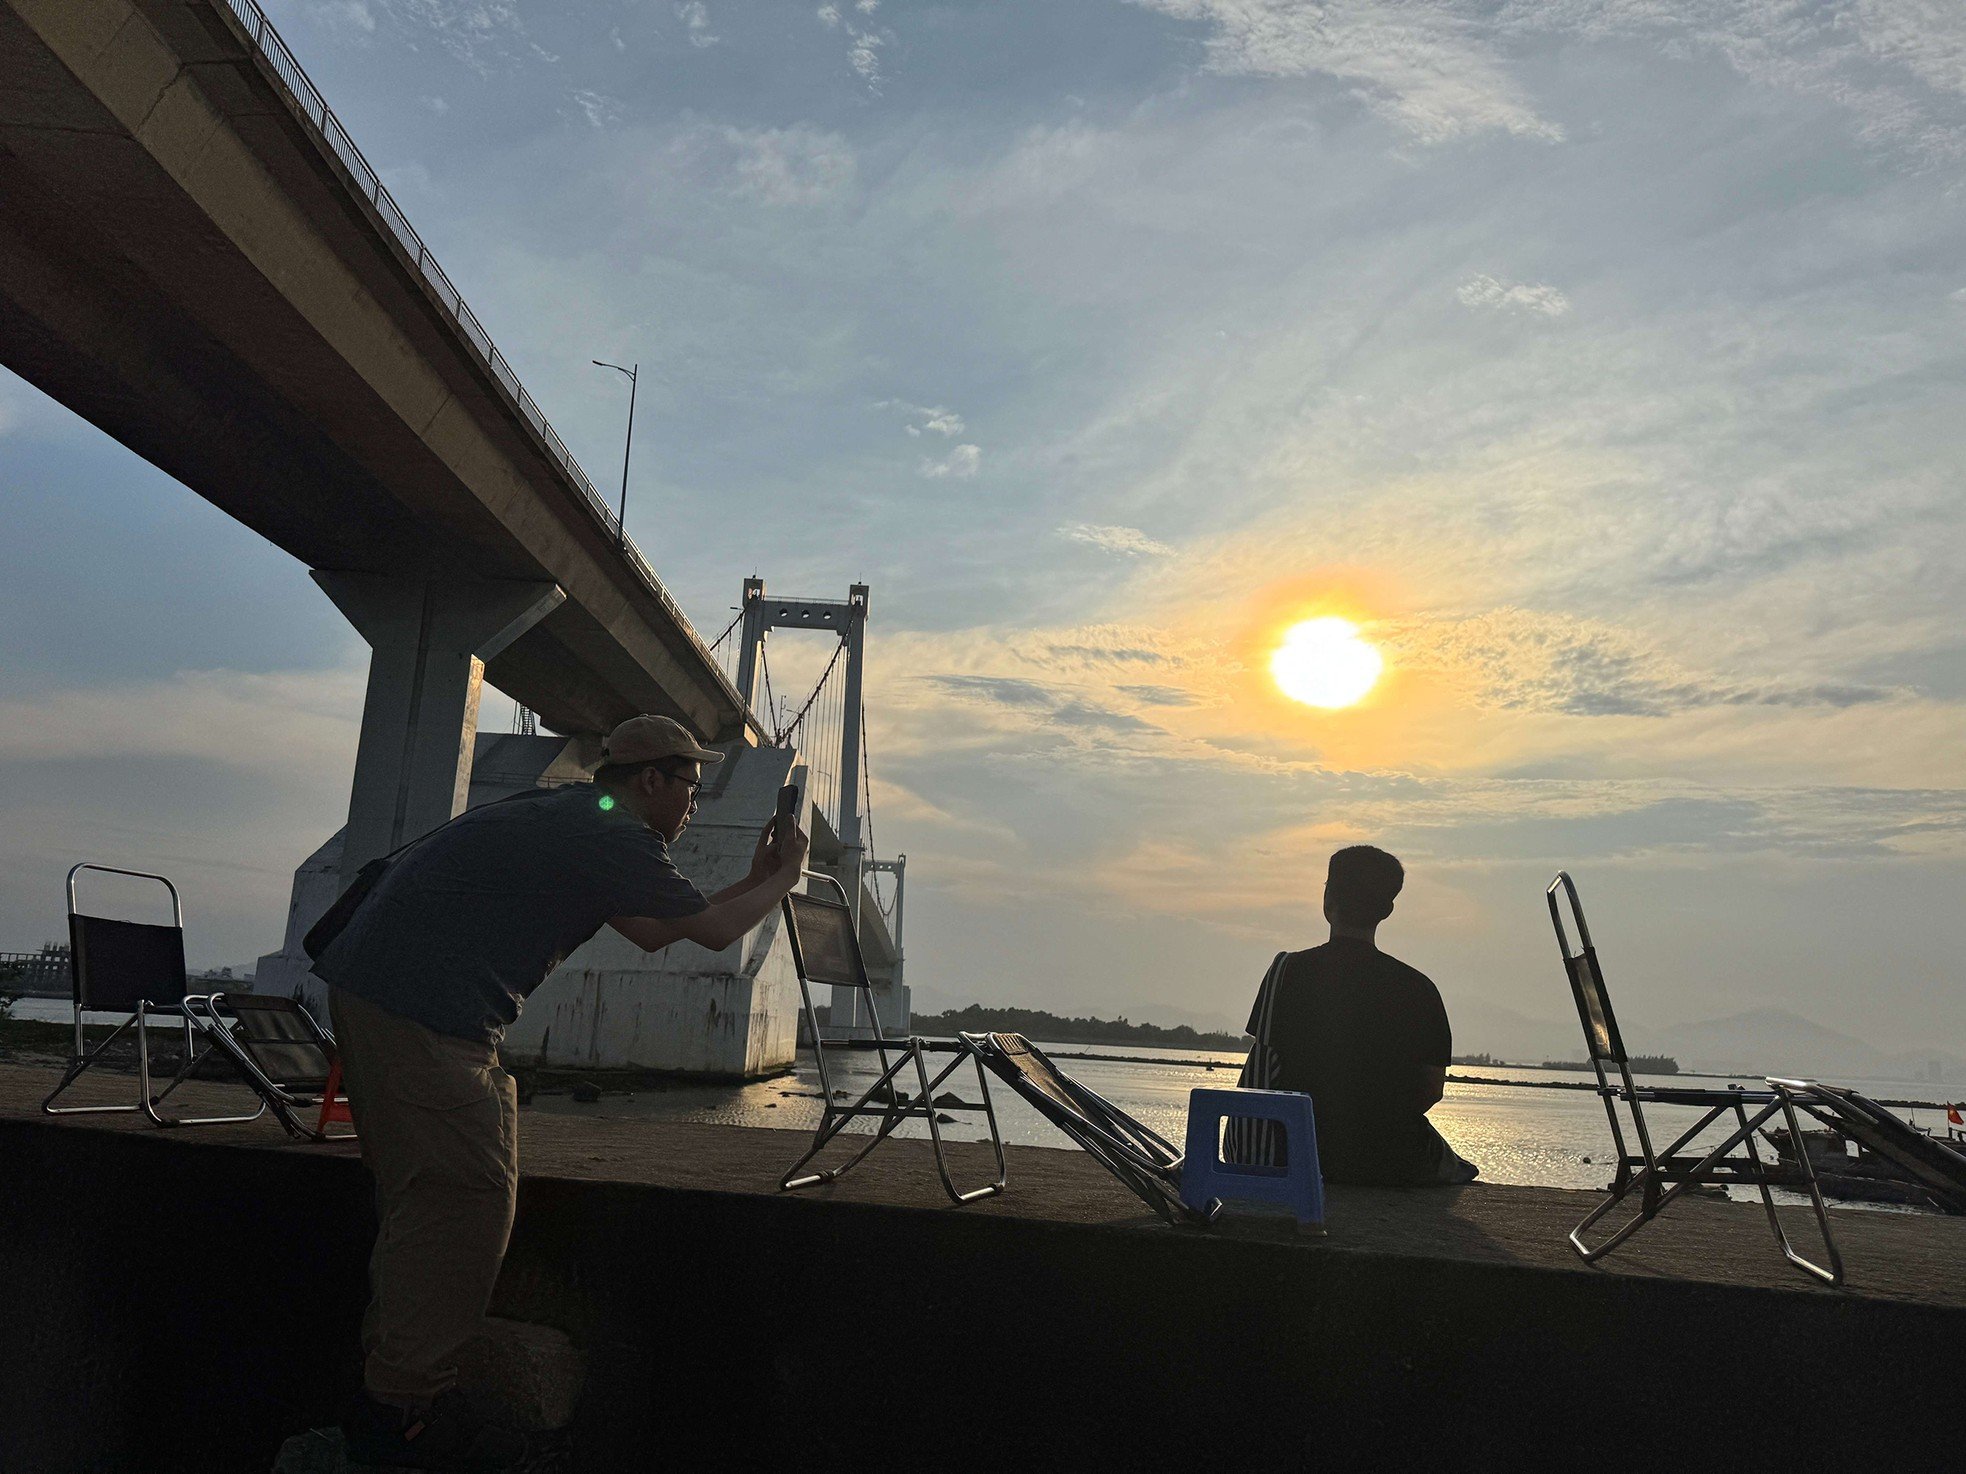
x=167 y=1284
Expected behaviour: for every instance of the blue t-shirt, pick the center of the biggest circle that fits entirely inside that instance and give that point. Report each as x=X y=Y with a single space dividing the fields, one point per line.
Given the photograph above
x=471 y=919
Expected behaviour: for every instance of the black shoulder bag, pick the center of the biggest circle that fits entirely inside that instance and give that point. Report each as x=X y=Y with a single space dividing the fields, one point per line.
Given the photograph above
x=320 y=936
x=323 y=932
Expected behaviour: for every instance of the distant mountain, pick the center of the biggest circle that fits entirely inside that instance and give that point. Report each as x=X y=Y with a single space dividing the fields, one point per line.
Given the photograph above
x=1775 y=1041
x=1761 y=1041
x=1488 y=1028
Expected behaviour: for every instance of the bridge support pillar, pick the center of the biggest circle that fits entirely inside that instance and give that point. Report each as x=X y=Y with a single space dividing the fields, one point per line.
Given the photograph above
x=431 y=638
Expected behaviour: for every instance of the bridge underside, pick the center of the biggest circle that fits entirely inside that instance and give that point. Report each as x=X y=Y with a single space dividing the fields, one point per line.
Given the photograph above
x=185 y=265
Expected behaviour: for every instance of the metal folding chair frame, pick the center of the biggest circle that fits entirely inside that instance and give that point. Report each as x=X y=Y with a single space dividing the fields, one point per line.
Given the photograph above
x=287 y=1098
x=1649 y=1171
x=173 y=1002
x=885 y=1096
x=1146 y=1162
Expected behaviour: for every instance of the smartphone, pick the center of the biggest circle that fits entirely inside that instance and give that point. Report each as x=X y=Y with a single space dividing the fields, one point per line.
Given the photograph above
x=788 y=805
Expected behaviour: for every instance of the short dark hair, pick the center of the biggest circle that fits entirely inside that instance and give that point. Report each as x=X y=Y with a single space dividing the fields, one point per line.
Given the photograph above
x=1361 y=885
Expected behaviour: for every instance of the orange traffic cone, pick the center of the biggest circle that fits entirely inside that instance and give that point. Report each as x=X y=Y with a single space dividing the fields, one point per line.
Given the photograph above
x=334 y=1105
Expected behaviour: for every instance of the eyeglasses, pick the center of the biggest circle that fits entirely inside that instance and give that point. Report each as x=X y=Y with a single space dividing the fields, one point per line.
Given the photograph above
x=692 y=784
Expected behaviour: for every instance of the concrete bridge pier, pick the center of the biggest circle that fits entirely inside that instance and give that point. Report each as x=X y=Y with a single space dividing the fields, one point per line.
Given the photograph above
x=431 y=638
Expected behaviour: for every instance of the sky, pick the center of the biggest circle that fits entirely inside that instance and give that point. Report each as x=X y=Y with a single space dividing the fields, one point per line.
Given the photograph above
x=1603 y=361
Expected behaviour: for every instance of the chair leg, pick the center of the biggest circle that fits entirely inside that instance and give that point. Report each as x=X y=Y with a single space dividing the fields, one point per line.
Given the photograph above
x=1648 y=1208
x=1832 y=1274
x=956 y=1195
x=80 y=1064
x=835 y=1121
x=1647 y=1180
x=152 y=1103
x=1644 y=1181
x=990 y=1115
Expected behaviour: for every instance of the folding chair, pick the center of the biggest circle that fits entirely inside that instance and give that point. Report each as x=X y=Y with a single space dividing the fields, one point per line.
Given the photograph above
x=1938 y=1170
x=134 y=968
x=1648 y=1171
x=826 y=950
x=1145 y=1162
x=283 y=1054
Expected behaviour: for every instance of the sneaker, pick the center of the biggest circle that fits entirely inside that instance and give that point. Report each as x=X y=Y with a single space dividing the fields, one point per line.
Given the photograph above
x=445 y=1436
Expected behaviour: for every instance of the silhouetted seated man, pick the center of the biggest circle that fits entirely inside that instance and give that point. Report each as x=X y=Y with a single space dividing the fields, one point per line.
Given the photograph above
x=1361 y=1033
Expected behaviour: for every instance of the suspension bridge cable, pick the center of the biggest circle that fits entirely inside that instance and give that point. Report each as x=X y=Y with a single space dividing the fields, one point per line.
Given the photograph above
x=791 y=726
x=764 y=665
x=716 y=643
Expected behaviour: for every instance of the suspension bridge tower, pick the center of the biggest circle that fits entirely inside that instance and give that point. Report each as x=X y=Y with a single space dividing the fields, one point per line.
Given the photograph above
x=829 y=727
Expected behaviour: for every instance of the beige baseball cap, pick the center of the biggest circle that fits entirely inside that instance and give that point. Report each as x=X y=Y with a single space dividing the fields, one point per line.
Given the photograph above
x=645 y=739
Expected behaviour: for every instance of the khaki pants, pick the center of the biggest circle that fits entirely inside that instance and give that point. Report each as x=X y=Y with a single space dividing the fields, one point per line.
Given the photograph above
x=439 y=1126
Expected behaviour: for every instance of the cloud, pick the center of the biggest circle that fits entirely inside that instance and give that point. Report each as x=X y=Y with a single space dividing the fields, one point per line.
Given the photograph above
x=1429 y=69
x=254 y=720
x=598 y=108
x=482 y=34
x=1447 y=69
x=799 y=165
x=1898 y=67
x=1488 y=293
x=864 y=56
x=1255 y=872
x=927 y=419
x=1049 y=705
x=963 y=461
x=347 y=15
x=1161 y=695
x=1126 y=542
x=695 y=16
x=960 y=464
x=1517 y=660
x=864 y=47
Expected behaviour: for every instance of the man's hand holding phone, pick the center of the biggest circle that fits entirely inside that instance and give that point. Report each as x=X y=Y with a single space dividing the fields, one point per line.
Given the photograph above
x=782 y=844
x=787 y=839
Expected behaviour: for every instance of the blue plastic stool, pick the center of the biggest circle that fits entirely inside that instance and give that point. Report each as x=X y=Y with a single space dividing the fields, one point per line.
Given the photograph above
x=1206 y=1179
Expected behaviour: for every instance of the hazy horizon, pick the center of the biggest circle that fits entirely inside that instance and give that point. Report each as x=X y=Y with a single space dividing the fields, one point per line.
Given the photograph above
x=1605 y=363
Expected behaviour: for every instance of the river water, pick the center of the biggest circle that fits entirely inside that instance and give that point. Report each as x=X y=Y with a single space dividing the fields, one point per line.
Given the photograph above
x=1522 y=1131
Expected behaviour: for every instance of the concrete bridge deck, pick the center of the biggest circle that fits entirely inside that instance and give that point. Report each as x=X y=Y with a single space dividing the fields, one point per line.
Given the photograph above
x=195 y=258
x=726 y=1319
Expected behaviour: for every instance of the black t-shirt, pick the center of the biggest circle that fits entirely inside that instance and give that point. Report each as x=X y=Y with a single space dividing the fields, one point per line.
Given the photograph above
x=471 y=919
x=1349 y=1026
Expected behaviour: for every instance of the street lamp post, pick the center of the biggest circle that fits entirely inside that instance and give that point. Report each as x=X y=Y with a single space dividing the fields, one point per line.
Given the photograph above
x=627 y=450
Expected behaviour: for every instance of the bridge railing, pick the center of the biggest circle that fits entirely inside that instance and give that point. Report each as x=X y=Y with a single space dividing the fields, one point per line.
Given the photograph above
x=314 y=111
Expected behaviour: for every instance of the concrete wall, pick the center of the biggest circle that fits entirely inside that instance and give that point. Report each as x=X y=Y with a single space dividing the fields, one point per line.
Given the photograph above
x=146 y=1278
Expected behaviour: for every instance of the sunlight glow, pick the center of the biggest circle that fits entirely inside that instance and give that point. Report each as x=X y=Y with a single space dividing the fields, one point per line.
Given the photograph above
x=1326 y=662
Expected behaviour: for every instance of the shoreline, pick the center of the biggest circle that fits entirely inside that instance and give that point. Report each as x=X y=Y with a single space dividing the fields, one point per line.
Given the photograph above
x=19 y=1039
x=1454 y=1079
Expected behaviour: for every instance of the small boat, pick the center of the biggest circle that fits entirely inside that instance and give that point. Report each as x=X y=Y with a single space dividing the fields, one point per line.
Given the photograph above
x=1848 y=1170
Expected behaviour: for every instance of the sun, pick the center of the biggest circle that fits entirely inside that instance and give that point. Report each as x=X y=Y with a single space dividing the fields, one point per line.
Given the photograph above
x=1326 y=662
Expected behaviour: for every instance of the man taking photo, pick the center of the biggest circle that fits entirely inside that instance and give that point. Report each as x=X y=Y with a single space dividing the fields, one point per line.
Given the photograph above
x=423 y=981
